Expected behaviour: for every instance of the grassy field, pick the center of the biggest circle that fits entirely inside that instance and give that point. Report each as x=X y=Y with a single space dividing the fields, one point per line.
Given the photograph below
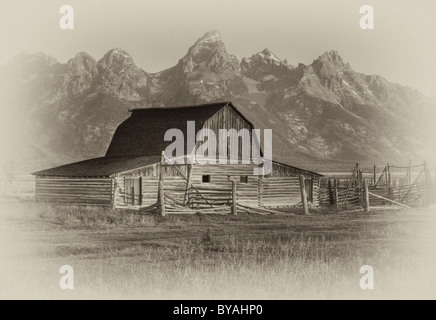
x=119 y=254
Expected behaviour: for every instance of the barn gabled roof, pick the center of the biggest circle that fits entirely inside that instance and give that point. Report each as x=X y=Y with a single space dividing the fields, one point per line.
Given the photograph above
x=99 y=167
x=139 y=140
x=143 y=133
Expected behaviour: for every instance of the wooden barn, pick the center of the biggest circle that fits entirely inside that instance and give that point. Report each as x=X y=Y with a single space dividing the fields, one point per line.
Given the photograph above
x=129 y=175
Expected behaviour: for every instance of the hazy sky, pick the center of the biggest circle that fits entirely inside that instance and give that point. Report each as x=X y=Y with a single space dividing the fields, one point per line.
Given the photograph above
x=157 y=33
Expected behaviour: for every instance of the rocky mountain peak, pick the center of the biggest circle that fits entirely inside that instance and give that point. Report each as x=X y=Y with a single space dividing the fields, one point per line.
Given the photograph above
x=206 y=73
x=332 y=59
x=206 y=46
x=83 y=55
x=118 y=74
x=330 y=64
x=331 y=56
x=264 y=63
x=118 y=52
x=81 y=63
x=268 y=54
x=209 y=53
x=210 y=37
x=117 y=59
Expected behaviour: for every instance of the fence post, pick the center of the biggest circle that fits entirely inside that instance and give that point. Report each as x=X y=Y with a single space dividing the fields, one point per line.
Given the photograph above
x=132 y=192
x=427 y=185
x=331 y=195
x=365 y=186
x=359 y=176
x=375 y=174
x=336 y=193
x=188 y=185
x=388 y=181
x=260 y=192
x=140 y=192
x=161 y=186
x=162 y=198
x=234 y=199
x=409 y=173
x=113 y=194
x=388 y=176
x=304 y=195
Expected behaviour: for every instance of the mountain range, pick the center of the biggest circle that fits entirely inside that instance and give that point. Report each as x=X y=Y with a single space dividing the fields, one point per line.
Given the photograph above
x=324 y=115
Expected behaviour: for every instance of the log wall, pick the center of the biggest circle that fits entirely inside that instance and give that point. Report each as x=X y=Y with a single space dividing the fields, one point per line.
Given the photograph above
x=272 y=191
x=221 y=177
x=93 y=191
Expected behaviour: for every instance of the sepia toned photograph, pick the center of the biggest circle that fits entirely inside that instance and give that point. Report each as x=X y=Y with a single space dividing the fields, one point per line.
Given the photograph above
x=228 y=151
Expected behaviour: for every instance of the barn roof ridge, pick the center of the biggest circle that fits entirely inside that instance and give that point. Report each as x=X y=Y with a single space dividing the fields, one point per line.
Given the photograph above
x=203 y=105
x=221 y=103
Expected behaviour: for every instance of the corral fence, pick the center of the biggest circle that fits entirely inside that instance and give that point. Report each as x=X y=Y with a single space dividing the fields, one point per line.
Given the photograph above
x=408 y=186
x=207 y=200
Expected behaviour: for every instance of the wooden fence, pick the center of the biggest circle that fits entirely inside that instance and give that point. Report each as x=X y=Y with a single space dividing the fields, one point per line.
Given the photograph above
x=209 y=200
x=187 y=198
x=402 y=185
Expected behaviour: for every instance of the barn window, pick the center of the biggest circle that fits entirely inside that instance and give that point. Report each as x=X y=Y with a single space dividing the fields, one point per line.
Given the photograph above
x=206 y=178
x=244 y=179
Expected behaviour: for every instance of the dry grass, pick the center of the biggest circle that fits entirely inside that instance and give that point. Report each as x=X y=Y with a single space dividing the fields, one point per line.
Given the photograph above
x=120 y=254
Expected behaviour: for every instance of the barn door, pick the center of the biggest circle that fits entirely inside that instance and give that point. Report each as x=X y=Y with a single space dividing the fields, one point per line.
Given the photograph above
x=133 y=191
